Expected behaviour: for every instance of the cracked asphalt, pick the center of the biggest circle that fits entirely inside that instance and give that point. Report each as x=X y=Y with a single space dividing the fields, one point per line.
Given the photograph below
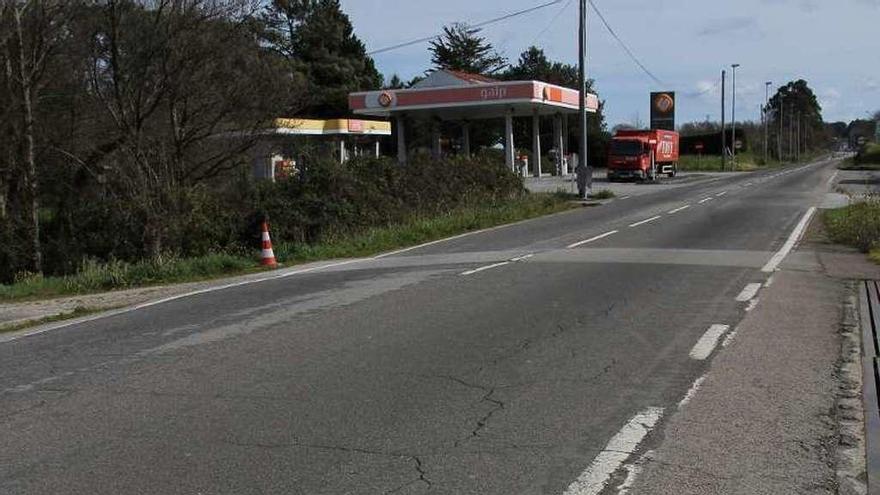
x=400 y=374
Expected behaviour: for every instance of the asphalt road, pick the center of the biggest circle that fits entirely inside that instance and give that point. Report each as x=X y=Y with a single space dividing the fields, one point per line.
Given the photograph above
x=442 y=369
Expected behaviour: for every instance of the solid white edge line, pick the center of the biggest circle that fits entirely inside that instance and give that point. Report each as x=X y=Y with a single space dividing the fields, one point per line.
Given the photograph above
x=673 y=212
x=643 y=222
x=592 y=239
x=522 y=258
x=484 y=268
x=750 y=291
x=706 y=200
x=795 y=236
x=621 y=446
x=707 y=343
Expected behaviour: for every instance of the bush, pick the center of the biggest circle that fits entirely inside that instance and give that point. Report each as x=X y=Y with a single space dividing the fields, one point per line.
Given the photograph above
x=857 y=225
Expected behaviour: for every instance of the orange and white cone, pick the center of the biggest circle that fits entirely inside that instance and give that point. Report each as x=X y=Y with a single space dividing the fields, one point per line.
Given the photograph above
x=268 y=257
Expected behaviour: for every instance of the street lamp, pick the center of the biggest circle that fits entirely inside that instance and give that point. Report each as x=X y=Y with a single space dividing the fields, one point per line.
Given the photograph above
x=733 y=115
x=766 y=121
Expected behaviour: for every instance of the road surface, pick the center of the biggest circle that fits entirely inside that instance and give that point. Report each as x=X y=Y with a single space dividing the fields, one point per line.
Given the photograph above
x=507 y=361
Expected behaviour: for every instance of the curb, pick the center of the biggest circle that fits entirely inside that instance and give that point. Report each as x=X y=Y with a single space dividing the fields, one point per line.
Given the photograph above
x=849 y=409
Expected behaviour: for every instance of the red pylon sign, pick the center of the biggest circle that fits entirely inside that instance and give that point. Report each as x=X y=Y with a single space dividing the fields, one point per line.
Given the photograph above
x=268 y=257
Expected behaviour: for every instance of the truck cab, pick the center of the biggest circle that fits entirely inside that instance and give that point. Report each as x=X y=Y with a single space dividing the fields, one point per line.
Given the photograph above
x=643 y=154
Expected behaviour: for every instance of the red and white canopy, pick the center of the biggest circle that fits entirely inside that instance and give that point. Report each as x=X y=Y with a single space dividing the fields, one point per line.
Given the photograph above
x=452 y=95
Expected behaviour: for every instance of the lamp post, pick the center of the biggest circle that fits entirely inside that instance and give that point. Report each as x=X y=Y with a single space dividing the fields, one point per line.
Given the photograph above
x=733 y=115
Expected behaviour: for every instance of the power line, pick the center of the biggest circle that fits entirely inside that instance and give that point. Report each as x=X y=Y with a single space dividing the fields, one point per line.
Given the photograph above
x=623 y=45
x=552 y=22
x=475 y=26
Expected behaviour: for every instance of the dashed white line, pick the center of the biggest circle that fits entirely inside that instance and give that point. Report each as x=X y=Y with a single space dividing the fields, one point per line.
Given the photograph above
x=706 y=200
x=747 y=184
x=722 y=193
x=752 y=305
x=522 y=258
x=484 y=268
x=795 y=236
x=692 y=391
x=624 y=197
x=833 y=177
x=643 y=222
x=621 y=446
x=592 y=239
x=729 y=339
x=748 y=292
x=673 y=212
x=707 y=343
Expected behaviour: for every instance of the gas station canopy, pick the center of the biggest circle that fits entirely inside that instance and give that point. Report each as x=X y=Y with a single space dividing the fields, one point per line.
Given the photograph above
x=458 y=96
x=453 y=95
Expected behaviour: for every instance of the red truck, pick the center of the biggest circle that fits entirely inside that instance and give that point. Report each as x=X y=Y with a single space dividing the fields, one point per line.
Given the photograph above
x=643 y=154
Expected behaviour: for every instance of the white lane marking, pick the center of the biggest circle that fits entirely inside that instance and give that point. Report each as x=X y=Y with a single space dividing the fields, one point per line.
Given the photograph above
x=673 y=212
x=643 y=222
x=748 y=292
x=769 y=281
x=707 y=343
x=795 y=236
x=522 y=258
x=624 y=197
x=619 y=448
x=706 y=200
x=592 y=239
x=747 y=184
x=752 y=304
x=729 y=338
x=484 y=268
x=722 y=193
x=633 y=470
x=692 y=391
x=833 y=177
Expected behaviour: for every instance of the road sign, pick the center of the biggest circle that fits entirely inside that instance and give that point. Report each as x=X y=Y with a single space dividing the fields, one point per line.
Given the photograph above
x=699 y=147
x=739 y=144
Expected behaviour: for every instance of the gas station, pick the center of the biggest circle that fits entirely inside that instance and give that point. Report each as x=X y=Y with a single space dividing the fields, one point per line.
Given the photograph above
x=463 y=98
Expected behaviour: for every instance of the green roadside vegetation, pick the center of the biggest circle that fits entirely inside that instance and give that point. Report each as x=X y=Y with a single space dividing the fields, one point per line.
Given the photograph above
x=745 y=162
x=856 y=225
x=96 y=276
x=867 y=159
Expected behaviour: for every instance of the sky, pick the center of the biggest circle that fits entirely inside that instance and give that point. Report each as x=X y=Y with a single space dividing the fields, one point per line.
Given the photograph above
x=833 y=44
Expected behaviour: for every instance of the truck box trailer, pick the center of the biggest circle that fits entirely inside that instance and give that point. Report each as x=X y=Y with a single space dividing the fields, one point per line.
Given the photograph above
x=643 y=154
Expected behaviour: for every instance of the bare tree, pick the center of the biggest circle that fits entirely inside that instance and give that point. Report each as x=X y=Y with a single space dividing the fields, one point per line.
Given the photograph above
x=34 y=30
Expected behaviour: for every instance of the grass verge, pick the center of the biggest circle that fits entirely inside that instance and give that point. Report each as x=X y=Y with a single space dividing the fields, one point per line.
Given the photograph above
x=99 y=277
x=856 y=225
x=76 y=313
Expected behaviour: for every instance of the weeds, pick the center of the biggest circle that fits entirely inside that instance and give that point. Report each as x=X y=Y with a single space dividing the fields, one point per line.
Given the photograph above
x=857 y=225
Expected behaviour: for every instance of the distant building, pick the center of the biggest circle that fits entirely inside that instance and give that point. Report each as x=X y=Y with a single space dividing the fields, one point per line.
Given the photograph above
x=287 y=144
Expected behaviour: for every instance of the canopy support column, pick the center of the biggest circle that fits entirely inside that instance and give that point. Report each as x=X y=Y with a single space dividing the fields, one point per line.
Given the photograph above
x=341 y=150
x=536 y=142
x=377 y=148
x=509 y=150
x=401 y=140
x=557 y=143
x=466 y=139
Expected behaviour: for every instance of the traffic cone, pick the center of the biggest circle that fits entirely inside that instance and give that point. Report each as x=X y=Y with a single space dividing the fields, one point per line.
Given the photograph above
x=268 y=258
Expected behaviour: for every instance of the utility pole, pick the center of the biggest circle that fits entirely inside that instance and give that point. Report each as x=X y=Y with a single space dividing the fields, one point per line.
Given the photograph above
x=584 y=171
x=733 y=115
x=791 y=134
x=767 y=121
x=723 y=123
x=781 y=117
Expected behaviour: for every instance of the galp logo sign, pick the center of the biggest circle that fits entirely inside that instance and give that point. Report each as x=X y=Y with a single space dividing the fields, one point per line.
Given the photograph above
x=664 y=103
x=494 y=93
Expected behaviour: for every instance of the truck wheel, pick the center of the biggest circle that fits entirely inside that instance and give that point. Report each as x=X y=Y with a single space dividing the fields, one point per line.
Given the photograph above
x=674 y=171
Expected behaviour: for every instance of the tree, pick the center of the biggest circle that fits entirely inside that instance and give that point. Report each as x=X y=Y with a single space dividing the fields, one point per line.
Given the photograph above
x=461 y=48
x=318 y=40
x=791 y=102
x=533 y=65
x=32 y=31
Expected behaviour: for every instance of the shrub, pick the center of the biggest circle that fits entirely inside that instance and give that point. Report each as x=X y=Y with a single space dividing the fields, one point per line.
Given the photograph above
x=857 y=225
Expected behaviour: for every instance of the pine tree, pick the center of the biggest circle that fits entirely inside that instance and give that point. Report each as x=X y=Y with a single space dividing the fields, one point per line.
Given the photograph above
x=318 y=39
x=461 y=48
